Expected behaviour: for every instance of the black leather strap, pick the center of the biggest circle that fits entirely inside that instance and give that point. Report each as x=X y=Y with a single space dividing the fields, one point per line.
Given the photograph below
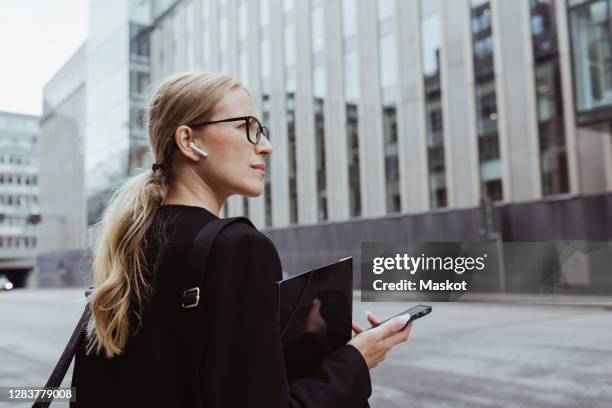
x=196 y=278
x=200 y=248
x=59 y=372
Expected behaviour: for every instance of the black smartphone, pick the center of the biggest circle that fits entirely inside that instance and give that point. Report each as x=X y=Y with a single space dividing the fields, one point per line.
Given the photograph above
x=414 y=312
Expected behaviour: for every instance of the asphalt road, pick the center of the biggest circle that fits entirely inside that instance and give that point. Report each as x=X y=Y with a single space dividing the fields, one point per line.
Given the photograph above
x=461 y=355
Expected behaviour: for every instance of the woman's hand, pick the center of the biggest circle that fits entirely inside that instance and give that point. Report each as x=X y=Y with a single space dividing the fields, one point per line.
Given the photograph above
x=315 y=323
x=374 y=344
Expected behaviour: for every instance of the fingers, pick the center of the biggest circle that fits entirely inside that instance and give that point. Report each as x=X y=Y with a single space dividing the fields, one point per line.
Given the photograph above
x=408 y=328
x=356 y=327
x=397 y=337
x=392 y=326
x=372 y=319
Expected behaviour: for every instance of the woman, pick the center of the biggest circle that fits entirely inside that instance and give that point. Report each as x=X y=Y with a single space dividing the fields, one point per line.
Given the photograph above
x=135 y=350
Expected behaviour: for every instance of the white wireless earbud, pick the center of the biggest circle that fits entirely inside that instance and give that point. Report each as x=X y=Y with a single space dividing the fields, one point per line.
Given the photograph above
x=196 y=149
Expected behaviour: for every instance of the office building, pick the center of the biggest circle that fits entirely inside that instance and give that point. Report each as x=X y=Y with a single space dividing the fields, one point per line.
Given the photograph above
x=63 y=206
x=413 y=111
x=390 y=119
x=19 y=196
x=117 y=76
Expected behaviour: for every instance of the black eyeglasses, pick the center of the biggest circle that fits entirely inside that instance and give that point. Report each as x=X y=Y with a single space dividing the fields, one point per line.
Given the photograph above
x=253 y=127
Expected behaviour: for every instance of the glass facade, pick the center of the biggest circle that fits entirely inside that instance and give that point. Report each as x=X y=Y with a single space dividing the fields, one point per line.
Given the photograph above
x=317 y=41
x=431 y=43
x=351 y=97
x=160 y=47
x=387 y=38
x=549 y=100
x=591 y=38
x=140 y=80
x=265 y=53
x=243 y=64
x=265 y=115
x=486 y=101
x=290 y=89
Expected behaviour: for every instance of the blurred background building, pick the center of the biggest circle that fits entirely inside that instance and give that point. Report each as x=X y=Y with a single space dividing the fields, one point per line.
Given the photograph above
x=117 y=75
x=390 y=119
x=19 y=195
x=63 y=230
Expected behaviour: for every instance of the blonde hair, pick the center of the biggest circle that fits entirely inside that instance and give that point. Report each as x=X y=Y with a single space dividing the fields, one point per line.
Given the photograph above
x=118 y=257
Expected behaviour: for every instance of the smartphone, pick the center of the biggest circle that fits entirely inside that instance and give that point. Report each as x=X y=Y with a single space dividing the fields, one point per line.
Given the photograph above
x=414 y=312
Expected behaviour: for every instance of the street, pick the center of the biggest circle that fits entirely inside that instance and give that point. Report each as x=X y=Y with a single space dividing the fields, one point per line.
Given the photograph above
x=461 y=355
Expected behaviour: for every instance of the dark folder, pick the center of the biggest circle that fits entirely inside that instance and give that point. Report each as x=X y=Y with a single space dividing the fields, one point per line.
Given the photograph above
x=315 y=314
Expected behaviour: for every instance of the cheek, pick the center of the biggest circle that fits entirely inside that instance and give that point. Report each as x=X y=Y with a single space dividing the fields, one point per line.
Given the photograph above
x=227 y=144
x=233 y=158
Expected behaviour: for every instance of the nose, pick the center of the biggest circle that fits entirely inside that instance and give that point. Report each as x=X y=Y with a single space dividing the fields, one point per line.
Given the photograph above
x=264 y=146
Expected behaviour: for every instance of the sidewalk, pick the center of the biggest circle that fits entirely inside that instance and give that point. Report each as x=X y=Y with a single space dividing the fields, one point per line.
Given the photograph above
x=603 y=302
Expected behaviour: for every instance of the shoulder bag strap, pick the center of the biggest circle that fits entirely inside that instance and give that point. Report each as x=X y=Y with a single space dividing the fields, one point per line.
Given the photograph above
x=58 y=373
x=200 y=248
x=195 y=284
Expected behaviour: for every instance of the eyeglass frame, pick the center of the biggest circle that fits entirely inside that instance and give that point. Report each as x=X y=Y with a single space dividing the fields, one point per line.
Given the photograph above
x=261 y=131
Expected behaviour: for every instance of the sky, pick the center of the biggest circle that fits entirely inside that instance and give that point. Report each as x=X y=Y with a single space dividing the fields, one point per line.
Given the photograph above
x=36 y=38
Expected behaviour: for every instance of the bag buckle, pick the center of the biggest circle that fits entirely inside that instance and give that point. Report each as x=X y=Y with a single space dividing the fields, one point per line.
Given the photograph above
x=191 y=297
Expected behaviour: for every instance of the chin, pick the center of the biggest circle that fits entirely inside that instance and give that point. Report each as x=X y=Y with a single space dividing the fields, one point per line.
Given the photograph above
x=253 y=189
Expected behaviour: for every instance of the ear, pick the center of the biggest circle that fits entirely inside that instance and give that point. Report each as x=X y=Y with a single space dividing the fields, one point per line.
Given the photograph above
x=183 y=136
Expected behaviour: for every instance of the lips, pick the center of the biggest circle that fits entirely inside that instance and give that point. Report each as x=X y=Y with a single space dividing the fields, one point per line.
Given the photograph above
x=261 y=167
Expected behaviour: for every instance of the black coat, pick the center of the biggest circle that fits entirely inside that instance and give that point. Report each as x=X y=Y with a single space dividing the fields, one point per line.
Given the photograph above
x=243 y=362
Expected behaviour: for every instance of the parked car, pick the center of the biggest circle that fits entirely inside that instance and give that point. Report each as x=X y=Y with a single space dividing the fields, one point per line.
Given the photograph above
x=5 y=284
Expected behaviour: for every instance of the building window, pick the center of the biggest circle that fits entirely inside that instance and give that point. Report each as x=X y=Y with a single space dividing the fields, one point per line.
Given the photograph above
x=353 y=159
x=317 y=40
x=591 y=38
x=245 y=206
x=139 y=81
x=320 y=158
x=267 y=178
x=391 y=158
x=431 y=44
x=387 y=40
x=553 y=152
x=486 y=101
x=265 y=56
x=293 y=198
x=351 y=96
x=290 y=89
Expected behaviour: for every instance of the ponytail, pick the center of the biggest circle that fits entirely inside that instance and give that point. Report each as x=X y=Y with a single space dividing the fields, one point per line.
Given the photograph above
x=119 y=262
